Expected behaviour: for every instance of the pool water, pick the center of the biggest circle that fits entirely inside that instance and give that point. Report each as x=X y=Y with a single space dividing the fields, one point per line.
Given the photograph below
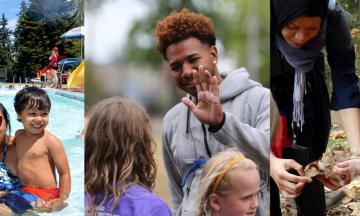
x=66 y=121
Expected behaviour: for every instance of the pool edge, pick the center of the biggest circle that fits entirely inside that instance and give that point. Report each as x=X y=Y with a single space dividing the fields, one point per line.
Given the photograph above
x=71 y=95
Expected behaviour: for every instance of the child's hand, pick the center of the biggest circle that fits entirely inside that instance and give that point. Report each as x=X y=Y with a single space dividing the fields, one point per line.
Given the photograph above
x=41 y=206
x=57 y=204
x=50 y=206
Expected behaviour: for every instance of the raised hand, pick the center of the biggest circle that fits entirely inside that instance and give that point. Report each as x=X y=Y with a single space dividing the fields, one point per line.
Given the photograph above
x=208 y=108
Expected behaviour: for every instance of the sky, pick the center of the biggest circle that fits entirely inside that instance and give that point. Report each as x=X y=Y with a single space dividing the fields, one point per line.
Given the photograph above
x=107 y=28
x=11 y=9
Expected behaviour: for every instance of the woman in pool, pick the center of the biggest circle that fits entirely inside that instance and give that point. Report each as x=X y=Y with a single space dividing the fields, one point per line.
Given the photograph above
x=8 y=160
x=8 y=154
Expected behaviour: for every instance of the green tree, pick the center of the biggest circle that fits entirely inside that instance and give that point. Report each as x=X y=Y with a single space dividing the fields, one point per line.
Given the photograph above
x=39 y=29
x=22 y=41
x=6 y=59
x=141 y=40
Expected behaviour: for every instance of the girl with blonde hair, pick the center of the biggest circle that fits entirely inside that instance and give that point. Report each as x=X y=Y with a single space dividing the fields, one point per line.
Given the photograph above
x=229 y=186
x=120 y=168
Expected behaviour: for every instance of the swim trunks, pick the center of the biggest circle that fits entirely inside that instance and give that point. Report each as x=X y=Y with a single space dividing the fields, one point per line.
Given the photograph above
x=43 y=193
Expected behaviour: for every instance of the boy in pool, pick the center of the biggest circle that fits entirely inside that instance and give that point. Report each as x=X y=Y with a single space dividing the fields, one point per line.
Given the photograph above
x=40 y=152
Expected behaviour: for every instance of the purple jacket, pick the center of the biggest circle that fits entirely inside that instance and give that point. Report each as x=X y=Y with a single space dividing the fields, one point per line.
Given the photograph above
x=136 y=200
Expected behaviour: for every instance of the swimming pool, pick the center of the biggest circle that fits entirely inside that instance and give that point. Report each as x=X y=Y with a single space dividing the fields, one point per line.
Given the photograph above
x=66 y=121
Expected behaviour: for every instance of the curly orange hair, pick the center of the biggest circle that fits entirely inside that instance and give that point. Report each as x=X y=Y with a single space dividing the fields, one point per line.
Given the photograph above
x=182 y=25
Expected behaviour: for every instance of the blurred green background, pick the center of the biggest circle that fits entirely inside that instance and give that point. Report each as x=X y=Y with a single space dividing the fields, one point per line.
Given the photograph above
x=136 y=71
x=122 y=61
x=352 y=9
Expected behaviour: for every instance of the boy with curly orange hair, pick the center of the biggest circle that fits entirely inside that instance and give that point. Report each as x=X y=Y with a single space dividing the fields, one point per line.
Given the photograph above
x=221 y=110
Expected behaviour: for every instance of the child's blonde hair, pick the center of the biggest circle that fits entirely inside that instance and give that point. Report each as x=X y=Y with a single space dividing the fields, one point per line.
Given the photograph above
x=215 y=177
x=118 y=151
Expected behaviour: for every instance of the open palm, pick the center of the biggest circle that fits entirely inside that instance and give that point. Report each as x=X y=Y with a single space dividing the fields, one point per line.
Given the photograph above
x=208 y=108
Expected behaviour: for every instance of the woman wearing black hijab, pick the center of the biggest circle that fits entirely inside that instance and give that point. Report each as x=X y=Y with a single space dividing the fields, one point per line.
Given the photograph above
x=299 y=31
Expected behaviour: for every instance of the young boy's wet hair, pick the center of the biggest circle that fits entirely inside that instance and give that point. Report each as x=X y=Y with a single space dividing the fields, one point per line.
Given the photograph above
x=32 y=98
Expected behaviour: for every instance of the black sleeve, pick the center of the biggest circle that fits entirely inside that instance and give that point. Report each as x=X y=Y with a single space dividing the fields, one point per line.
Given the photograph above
x=341 y=58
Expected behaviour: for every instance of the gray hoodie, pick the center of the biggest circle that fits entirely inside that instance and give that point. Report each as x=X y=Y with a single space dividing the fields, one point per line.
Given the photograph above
x=246 y=127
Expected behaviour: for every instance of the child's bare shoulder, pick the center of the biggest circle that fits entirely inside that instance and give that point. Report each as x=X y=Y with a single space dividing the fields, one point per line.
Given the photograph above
x=51 y=139
x=19 y=132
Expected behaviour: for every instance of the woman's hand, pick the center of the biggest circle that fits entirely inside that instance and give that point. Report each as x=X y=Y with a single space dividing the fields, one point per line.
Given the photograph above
x=334 y=184
x=289 y=184
x=349 y=167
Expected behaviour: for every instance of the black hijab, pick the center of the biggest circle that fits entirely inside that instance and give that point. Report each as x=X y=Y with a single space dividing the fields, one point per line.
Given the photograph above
x=283 y=11
x=302 y=59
